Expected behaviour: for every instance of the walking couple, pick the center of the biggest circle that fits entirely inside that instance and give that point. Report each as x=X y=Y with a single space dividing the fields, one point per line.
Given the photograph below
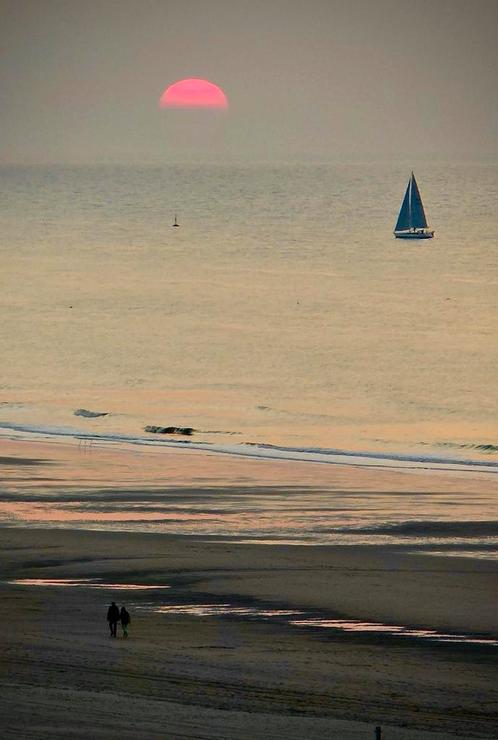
x=115 y=615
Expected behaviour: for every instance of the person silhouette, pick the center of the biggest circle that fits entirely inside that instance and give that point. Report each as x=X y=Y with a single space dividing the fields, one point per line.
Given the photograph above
x=113 y=618
x=125 y=621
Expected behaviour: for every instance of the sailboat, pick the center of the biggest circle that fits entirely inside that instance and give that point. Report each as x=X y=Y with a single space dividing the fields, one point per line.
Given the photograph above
x=411 y=223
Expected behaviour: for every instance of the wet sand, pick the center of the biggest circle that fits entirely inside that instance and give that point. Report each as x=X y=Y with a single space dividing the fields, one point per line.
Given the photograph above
x=180 y=675
x=231 y=674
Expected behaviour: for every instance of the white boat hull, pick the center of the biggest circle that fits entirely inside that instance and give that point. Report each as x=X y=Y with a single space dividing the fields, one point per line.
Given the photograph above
x=414 y=234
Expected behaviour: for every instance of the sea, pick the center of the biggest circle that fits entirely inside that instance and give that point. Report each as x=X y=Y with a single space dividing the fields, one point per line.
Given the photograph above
x=280 y=319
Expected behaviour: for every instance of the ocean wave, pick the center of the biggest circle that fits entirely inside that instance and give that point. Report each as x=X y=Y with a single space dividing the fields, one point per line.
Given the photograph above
x=186 y=431
x=331 y=456
x=90 y=414
x=388 y=456
x=479 y=447
x=486 y=448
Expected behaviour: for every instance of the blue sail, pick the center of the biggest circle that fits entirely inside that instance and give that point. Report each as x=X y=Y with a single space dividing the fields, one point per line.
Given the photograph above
x=418 y=216
x=411 y=215
x=404 y=220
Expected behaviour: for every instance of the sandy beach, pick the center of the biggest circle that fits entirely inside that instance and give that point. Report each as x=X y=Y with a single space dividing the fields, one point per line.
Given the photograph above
x=233 y=676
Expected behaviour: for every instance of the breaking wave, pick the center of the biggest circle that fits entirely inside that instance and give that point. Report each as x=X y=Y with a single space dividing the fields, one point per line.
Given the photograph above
x=486 y=447
x=330 y=456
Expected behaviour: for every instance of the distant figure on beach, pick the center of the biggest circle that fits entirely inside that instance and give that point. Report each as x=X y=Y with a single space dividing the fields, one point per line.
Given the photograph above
x=113 y=618
x=125 y=620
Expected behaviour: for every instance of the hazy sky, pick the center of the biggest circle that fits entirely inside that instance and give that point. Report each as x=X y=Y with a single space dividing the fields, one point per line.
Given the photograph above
x=324 y=79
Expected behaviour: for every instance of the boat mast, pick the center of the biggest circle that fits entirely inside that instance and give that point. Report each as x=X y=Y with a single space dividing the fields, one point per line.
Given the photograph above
x=410 y=219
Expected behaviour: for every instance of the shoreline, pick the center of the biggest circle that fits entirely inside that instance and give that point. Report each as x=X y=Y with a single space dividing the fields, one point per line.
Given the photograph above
x=433 y=461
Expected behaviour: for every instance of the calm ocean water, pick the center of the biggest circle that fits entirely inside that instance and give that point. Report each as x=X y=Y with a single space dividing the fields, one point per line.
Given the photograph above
x=281 y=312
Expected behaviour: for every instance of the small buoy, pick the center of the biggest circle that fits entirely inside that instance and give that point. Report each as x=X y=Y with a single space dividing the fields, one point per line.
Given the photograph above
x=176 y=222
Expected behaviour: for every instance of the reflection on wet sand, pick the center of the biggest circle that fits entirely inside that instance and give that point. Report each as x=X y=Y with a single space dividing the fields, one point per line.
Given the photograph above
x=124 y=488
x=222 y=610
x=352 y=625
x=287 y=616
x=85 y=583
x=341 y=625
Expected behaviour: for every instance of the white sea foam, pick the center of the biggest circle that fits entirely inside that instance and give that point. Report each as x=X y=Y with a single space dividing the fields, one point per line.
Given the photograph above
x=264 y=451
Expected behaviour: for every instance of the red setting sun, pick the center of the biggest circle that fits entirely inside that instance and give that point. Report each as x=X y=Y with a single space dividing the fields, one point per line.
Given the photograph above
x=193 y=93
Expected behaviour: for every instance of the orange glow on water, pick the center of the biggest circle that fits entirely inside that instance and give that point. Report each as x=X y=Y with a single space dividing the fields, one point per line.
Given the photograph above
x=193 y=93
